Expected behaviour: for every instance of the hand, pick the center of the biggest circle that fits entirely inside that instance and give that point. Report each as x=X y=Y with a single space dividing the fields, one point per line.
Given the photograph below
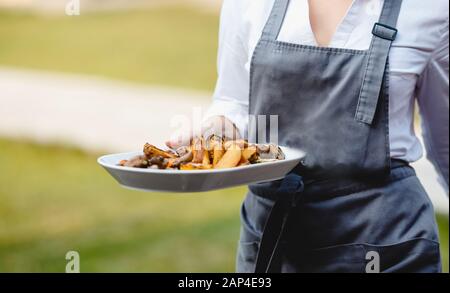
x=216 y=125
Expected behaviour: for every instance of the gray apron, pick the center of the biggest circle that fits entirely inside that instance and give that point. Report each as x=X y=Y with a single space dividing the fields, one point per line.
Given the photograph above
x=347 y=205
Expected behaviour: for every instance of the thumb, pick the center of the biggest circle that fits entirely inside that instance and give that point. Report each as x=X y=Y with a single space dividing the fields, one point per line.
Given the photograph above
x=181 y=137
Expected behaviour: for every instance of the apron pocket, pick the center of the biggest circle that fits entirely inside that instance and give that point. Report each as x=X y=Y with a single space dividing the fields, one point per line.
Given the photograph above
x=246 y=257
x=335 y=259
x=413 y=256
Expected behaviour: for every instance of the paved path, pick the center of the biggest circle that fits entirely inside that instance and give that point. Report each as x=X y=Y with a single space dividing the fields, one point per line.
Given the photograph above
x=108 y=116
x=87 y=112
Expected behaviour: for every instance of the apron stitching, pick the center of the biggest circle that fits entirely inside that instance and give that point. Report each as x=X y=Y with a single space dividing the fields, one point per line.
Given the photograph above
x=374 y=245
x=252 y=69
x=362 y=100
x=350 y=190
x=401 y=174
x=387 y=109
x=329 y=50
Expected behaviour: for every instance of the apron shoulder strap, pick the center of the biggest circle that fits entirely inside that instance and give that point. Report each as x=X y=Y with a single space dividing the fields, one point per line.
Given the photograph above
x=275 y=21
x=384 y=34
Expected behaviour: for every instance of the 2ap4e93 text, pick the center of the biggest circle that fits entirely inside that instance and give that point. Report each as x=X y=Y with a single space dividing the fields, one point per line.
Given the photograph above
x=246 y=282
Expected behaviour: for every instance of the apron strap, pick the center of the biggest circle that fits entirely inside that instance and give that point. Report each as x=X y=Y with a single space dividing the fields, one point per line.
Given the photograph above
x=384 y=34
x=275 y=21
x=289 y=191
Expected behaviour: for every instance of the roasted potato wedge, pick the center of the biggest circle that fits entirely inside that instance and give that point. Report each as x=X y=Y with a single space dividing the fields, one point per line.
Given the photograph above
x=218 y=153
x=198 y=150
x=243 y=162
x=215 y=148
x=193 y=166
x=206 y=161
x=231 y=158
x=248 y=152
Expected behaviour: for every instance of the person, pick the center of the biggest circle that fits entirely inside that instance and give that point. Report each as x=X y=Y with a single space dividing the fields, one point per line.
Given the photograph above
x=343 y=77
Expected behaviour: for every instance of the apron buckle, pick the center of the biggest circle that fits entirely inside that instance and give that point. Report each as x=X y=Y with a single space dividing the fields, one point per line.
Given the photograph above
x=384 y=31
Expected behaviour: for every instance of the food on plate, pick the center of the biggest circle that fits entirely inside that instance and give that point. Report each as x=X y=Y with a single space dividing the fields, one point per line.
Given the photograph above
x=208 y=153
x=151 y=151
x=198 y=150
x=183 y=159
x=231 y=158
x=138 y=162
x=269 y=153
x=194 y=166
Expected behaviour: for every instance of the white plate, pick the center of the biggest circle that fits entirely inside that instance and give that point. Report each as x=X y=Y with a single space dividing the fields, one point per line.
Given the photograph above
x=198 y=180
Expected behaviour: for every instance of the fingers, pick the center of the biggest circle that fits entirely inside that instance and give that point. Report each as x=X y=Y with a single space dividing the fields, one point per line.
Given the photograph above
x=179 y=138
x=220 y=126
x=217 y=125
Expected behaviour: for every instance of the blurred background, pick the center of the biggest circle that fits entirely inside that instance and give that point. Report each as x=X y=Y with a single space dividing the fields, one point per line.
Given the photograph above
x=108 y=80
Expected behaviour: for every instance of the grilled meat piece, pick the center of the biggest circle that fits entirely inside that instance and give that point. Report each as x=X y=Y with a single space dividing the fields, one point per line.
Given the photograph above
x=186 y=158
x=269 y=152
x=159 y=161
x=137 y=162
x=152 y=151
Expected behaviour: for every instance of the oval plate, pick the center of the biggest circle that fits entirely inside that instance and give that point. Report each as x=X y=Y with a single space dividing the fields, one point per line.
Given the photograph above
x=197 y=180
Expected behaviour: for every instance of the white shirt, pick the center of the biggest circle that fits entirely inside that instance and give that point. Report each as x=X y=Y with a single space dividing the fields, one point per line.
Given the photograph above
x=419 y=65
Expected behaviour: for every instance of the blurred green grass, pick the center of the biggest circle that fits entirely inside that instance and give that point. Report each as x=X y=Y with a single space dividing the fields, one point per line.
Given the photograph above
x=57 y=199
x=54 y=200
x=171 y=45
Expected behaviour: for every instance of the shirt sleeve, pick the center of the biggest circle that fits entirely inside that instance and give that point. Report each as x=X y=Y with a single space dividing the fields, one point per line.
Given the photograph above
x=433 y=98
x=231 y=95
